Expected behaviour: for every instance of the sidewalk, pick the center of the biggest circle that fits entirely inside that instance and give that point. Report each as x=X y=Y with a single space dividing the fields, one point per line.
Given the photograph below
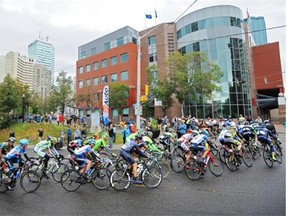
x=280 y=128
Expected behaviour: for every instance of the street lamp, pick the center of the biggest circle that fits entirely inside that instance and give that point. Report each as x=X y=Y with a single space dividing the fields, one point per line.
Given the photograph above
x=138 y=76
x=23 y=107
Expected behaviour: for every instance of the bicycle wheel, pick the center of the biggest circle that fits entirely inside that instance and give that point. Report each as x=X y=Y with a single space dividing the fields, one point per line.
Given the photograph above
x=247 y=157
x=100 y=179
x=70 y=180
x=216 y=167
x=193 y=170
x=30 y=181
x=231 y=163
x=165 y=168
x=152 y=177
x=3 y=182
x=177 y=163
x=278 y=154
x=120 y=180
x=58 y=170
x=222 y=154
x=267 y=156
x=214 y=149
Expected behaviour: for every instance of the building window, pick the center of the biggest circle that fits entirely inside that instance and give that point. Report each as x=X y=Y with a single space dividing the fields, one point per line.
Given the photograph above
x=80 y=70
x=123 y=57
x=95 y=66
x=104 y=79
x=125 y=112
x=88 y=68
x=104 y=63
x=88 y=82
x=107 y=46
x=93 y=51
x=83 y=55
x=134 y=40
x=80 y=84
x=194 y=26
x=114 y=113
x=152 y=57
x=120 y=41
x=124 y=75
x=96 y=81
x=114 y=60
x=151 y=40
x=114 y=77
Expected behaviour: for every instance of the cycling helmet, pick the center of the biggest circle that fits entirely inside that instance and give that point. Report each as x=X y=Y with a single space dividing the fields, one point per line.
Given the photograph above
x=266 y=122
x=23 y=142
x=222 y=140
x=91 y=141
x=53 y=139
x=48 y=138
x=12 y=139
x=79 y=142
x=144 y=133
x=189 y=131
x=138 y=137
x=205 y=132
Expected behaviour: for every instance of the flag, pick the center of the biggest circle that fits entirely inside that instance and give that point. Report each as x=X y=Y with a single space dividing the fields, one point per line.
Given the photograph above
x=106 y=105
x=155 y=13
x=148 y=16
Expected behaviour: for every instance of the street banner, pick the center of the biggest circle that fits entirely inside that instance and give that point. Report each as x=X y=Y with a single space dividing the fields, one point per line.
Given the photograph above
x=105 y=105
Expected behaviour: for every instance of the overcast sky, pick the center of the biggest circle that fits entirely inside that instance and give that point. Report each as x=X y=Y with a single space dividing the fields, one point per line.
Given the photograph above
x=72 y=23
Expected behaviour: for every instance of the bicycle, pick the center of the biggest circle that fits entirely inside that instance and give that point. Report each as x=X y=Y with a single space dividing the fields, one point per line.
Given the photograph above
x=195 y=167
x=29 y=180
x=233 y=160
x=160 y=160
x=149 y=173
x=71 y=179
x=55 y=167
x=267 y=155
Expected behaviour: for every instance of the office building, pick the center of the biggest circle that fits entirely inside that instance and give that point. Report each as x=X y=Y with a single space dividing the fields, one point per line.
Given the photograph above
x=257 y=27
x=43 y=53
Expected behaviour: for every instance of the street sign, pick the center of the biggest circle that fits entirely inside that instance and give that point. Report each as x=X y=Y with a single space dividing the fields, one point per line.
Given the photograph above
x=138 y=110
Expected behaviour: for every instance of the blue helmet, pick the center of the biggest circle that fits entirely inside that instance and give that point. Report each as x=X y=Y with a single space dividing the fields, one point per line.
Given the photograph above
x=91 y=141
x=222 y=140
x=23 y=142
x=205 y=132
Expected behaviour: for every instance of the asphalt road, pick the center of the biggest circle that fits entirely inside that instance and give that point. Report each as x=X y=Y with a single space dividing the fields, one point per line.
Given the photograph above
x=249 y=191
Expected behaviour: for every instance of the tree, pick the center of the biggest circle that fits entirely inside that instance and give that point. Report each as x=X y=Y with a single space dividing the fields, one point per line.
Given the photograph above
x=189 y=74
x=118 y=96
x=61 y=95
x=87 y=96
x=11 y=100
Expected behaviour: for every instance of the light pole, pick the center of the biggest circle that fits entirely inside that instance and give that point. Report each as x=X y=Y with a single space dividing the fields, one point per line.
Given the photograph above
x=23 y=107
x=138 y=76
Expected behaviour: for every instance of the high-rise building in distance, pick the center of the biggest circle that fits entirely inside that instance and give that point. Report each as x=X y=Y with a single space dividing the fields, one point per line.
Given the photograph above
x=257 y=28
x=43 y=53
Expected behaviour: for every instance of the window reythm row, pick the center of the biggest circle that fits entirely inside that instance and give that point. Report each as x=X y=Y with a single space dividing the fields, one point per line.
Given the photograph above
x=104 y=79
x=104 y=63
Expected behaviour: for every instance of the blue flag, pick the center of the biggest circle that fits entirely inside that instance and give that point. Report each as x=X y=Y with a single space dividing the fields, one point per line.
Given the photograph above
x=148 y=16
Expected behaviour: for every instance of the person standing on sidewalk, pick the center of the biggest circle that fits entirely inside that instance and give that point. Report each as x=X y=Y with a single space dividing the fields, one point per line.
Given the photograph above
x=62 y=136
x=114 y=131
x=111 y=135
x=69 y=135
x=125 y=133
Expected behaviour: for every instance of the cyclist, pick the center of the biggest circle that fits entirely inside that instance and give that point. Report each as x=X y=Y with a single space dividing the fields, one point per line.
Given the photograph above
x=5 y=147
x=128 y=151
x=149 y=142
x=14 y=156
x=264 y=136
x=47 y=145
x=74 y=144
x=82 y=155
x=184 y=142
x=199 y=144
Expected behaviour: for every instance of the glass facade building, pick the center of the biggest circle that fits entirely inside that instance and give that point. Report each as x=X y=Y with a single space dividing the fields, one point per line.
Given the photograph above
x=43 y=53
x=217 y=31
x=257 y=27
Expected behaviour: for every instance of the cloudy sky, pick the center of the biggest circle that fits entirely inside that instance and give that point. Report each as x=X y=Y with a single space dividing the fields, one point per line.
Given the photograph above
x=72 y=23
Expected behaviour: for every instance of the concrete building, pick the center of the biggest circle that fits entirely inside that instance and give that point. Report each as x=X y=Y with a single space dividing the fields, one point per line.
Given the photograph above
x=41 y=81
x=43 y=53
x=108 y=59
x=19 y=67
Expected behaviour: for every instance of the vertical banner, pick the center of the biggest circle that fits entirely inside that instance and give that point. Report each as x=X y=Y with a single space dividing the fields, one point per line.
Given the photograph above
x=106 y=105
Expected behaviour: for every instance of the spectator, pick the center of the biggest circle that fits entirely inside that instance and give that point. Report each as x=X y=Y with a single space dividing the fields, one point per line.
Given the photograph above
x=125 y=133
x=181 y=128
x=83 y=133
x=62 y=136
x=114 y=131
x=111 y=135
x=77 y=133
x=133 y=128
x=58 y=120
x=69 y=135
x=12 y=133
x=40 y=133
x=130 y=121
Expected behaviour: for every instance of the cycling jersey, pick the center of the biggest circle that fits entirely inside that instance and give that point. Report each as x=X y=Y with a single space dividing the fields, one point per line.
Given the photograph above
x=150 y=144
x=5 y=147
x=100 y=143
